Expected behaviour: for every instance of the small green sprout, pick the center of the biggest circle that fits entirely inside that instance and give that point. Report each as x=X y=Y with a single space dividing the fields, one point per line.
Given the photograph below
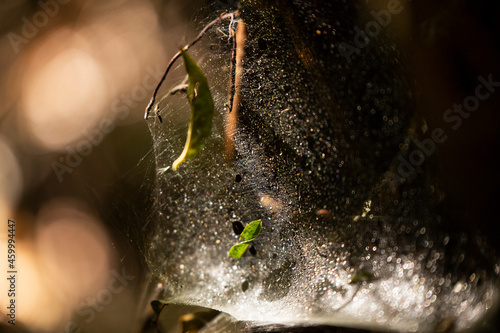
x=251 y=231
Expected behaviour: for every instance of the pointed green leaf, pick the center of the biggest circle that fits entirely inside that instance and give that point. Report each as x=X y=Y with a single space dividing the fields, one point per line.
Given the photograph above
x=202 y=111
x=252 y=230
x=238 y=250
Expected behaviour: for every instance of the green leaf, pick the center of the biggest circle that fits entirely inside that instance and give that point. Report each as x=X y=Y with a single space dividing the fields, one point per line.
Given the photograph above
x=251 y=231
x=238 y=250
x=202 y=111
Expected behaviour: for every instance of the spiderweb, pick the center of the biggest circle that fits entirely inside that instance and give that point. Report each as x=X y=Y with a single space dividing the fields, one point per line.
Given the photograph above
x=315 y=154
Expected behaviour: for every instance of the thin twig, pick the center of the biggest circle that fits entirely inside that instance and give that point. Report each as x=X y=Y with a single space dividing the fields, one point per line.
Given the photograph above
x=223 y=16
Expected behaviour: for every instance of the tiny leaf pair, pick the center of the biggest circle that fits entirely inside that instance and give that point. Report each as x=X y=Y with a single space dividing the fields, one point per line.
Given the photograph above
x=202 y=111
x=251 y=231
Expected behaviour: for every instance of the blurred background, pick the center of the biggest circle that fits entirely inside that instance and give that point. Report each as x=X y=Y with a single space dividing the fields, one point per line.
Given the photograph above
x=76 y=166
x=75 y=154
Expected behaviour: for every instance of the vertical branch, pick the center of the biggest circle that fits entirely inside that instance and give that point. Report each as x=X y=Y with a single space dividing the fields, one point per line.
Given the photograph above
x=235 y=98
